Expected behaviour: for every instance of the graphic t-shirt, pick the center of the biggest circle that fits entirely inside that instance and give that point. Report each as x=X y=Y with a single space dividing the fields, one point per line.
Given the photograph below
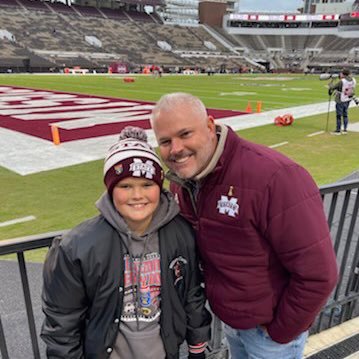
x=146 y=287
x=139 y=335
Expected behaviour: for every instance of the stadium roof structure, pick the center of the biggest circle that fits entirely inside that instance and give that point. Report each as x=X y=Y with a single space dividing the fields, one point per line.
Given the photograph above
x=280 y=17
x=143 y=2
x=137 y=2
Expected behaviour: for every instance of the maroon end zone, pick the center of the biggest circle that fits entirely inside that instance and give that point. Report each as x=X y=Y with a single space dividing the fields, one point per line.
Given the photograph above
x=33 y=111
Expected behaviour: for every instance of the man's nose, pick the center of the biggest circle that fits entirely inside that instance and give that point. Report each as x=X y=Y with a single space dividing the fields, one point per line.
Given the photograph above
x=177 y=146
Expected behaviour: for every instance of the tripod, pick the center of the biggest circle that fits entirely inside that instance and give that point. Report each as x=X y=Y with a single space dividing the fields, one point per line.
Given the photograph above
x=326 y=127
x=330 y=95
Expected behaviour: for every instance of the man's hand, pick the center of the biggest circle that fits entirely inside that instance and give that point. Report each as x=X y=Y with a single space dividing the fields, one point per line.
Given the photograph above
x=264 y=329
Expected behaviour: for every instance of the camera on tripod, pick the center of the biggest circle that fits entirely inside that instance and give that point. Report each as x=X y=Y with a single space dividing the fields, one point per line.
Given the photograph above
x=327 y=76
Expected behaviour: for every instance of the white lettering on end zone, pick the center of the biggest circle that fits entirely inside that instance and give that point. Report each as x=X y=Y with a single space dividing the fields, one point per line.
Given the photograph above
x=70 y=112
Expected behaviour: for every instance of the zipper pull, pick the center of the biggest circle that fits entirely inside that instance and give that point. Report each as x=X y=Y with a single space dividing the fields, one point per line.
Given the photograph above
x=230 y=191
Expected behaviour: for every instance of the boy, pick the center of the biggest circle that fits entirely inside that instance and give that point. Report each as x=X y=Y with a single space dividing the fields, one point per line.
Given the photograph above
x=126 y=284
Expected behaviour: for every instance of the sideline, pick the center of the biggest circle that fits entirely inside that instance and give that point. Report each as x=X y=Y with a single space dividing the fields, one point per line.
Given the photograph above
x=321 y=341
x=28 y=155
x=17 y=220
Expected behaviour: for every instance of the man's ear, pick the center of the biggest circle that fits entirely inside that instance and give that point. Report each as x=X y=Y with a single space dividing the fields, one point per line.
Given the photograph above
x=211 y=125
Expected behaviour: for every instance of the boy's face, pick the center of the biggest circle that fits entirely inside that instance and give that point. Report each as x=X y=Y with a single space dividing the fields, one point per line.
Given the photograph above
x=136 y=199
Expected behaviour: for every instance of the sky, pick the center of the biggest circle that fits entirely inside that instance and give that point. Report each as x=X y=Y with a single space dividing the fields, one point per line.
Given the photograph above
x=271 y=5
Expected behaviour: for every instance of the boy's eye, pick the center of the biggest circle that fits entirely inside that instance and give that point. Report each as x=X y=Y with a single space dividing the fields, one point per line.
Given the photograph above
x=124 y=185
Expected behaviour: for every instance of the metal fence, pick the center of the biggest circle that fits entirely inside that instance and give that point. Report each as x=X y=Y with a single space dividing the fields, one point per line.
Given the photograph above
x=341 y=203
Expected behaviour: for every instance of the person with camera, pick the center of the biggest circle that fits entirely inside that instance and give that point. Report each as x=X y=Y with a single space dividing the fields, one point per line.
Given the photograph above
x=344 y=91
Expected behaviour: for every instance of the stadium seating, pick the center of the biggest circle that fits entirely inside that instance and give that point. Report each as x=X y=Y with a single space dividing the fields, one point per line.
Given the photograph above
x=55 y=34
x=88 y=11
x=32 y=5
x=114 y=14
x=9 y=3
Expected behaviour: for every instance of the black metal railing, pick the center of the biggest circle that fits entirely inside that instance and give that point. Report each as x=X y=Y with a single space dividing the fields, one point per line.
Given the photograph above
x=341 y=203
x=19 y=246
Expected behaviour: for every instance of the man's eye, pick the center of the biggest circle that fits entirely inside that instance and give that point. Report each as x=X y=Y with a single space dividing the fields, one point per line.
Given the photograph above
x=186 y=134
x=165 y=143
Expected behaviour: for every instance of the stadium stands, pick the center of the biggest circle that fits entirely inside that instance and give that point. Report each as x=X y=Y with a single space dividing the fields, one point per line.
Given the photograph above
x=58 y=35
x=114 y=14
x=88 y=11
x=32 y=5
x=58 y=7
x=9 y=3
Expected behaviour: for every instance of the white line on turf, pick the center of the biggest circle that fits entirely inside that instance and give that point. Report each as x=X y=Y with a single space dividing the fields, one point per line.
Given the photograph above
x=315 y=133
x=279 y=144
x=17 y=220
x=28 y=154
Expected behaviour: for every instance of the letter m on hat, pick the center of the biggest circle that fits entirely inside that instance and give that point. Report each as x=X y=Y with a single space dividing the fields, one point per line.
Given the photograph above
x=140 y=169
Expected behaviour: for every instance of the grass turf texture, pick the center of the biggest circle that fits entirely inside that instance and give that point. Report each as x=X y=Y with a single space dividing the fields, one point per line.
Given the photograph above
x=62 y=198
x=221 y=91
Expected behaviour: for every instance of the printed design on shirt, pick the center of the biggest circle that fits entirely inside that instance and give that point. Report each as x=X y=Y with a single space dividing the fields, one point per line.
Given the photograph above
x=149 y=288
x=228 y=206
x=139 y=168
x=178 y=266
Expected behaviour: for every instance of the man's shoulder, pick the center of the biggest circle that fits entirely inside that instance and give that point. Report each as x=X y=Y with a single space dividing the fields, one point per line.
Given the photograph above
x=250 y=155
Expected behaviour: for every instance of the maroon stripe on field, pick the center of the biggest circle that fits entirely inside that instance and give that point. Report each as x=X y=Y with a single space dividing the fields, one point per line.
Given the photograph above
x=41 y=128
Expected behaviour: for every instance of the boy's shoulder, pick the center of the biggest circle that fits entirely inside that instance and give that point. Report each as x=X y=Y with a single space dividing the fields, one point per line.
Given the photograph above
x=180 y=232
x=87 y=233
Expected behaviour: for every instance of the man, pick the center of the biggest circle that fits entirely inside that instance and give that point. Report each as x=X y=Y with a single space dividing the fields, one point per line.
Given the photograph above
x=344 y=92
x=268 y=260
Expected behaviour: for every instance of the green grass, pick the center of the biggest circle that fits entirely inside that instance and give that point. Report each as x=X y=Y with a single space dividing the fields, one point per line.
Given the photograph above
x=62 y=198
x=215 y=91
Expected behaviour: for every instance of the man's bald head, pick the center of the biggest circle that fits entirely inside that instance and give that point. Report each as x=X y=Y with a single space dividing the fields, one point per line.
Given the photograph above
x=179 y=100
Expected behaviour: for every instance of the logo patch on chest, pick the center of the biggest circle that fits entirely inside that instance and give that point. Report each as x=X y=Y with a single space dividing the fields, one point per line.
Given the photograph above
x=228 y=206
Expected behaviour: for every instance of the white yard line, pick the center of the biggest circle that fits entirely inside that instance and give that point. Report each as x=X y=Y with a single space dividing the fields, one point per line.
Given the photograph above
x=17 y=220
x=279 y=144
x=315 y=133
x=28 y=154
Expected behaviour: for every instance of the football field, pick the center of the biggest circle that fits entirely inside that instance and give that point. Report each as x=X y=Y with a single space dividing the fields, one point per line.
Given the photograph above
x=58 y=185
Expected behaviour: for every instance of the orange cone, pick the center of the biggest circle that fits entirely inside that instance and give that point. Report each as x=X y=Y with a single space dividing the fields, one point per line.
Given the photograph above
x=249 y=107
x=55 y=135
x=259 y=106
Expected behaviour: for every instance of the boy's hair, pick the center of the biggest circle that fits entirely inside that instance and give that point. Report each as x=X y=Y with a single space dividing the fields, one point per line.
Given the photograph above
x=132 y=156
